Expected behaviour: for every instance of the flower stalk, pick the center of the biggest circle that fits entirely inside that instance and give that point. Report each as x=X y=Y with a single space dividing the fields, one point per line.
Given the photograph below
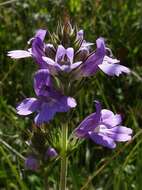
x=64 y=158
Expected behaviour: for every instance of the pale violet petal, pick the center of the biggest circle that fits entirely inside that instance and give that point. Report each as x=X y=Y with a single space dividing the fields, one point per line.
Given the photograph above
x=70 y=54
x=28 y=106
x=111 y=68
x=60 y=52
x=18 y=54
x=71 y=102
x=48 y=60
x=75 y=65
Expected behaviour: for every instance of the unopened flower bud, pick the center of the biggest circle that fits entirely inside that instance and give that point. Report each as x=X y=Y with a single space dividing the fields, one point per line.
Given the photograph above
x=31 y=163
x=50 y=153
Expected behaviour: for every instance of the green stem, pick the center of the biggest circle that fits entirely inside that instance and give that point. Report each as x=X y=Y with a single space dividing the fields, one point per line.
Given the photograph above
x=64 y=159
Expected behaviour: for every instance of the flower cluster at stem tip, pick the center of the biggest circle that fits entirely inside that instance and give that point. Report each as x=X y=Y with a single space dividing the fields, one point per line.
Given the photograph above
x=62 y=63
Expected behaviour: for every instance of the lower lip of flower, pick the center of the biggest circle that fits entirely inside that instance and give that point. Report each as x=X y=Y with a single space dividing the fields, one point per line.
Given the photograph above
x=100 y=128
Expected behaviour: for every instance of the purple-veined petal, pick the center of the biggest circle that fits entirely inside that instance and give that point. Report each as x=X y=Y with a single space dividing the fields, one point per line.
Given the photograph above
x=18 y=54
x=90 y=66
x=60 y=53
x=70 y=54
x=110 y=67
x=42 y=80
x=90 y=122
x=40 y=34
x=28 y=106
x=38 y=52
x=102 y=140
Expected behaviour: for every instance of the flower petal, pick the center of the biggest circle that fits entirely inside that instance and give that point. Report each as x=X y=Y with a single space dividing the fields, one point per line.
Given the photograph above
x=90 y=122
x=49 y=61
x=70 y=54
x=122 y=129
x=65 y=103
x=110 y=119
x=42 y=80
x=110 y=67
x=75 y=65
x=90 y=66
x=120 y=137
x=40 y=34
x=52 y=66
x=60 y=52
x=38 y=52
x=18 y=54
x=46 y=113
x=28 y=106
x=102 y=140
x=71 y=102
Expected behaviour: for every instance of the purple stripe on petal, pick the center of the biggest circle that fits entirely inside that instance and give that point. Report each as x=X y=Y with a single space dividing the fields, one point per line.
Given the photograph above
x=28 y=106
x=90 y=66
x=38 y=52
x=42 y=80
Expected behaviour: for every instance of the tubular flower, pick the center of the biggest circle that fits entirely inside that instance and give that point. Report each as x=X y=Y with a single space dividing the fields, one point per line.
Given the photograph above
x=38 y=49
x=17 y=54
x=100 y=61
x=48 y=102
x=104 y=128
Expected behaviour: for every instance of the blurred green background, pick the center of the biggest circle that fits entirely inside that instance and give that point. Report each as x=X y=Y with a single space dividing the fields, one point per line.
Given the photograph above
x=120 y=23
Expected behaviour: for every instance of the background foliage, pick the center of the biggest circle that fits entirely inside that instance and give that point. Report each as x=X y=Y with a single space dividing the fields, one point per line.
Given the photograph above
x=120 y=23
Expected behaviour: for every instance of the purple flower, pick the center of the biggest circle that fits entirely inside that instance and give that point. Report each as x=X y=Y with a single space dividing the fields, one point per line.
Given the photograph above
x=38 y=49
x=50 y=153
x=100 y=61
x=48 y=102
x=104 y=128
x=63 y=60
x=31 y=163
x=17 y=54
